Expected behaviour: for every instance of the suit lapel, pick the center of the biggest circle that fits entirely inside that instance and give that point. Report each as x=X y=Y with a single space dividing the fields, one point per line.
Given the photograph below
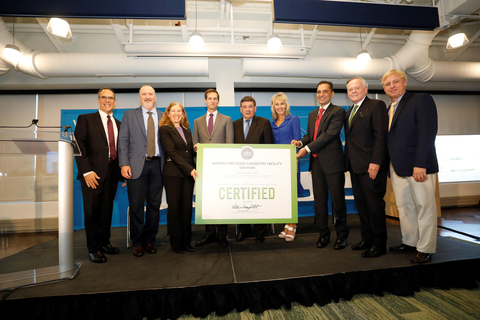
x=252 y=127
x=177 y=134
x=215 y=125
x=359 y=111
x=323 y=120
x=400 y=107
x=139 y=115
x=99 y=124
x=188 y=137
x=203 y=125
x=312 y=118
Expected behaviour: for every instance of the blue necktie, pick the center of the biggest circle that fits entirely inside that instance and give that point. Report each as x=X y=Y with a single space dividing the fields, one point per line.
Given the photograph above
x=247 y=127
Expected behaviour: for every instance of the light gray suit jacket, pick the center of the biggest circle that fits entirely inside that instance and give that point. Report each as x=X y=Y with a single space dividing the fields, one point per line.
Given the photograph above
x=132 y=141
x=222 y=130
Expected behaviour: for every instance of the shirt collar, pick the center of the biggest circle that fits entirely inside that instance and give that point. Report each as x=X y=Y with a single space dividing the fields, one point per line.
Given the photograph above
x=400 y=98
x=104 y=114
x=325 y=108
x=153 y=111
x=360 y=103
x=214 y=113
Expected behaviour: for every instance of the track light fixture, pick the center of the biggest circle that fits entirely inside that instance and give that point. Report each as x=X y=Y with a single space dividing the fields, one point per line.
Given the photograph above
x=274 y=44
x=60 y=28
x=363 y=56
x=196 y=42
x=457 y=41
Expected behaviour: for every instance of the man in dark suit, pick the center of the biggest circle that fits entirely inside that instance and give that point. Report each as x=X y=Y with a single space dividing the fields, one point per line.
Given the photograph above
x=98 y=172
x=213 y=127
x=327 y=164
x=141 y=160
x=251 y=129
x=413 y=127
x=366 y=158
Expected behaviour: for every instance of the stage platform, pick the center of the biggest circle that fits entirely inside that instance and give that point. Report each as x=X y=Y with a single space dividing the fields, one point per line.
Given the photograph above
x=242 y=276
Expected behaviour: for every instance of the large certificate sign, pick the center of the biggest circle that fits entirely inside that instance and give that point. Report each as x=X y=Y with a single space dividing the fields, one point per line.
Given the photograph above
x=241 y=183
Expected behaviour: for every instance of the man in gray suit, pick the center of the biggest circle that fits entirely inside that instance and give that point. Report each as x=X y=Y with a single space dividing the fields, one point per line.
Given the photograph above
x=141 y=160
x=213 y=127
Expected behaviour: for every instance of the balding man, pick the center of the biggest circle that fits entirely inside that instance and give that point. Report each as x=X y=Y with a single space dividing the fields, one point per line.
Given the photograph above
x=366 y=158
x=141 y=160
x=98 y=172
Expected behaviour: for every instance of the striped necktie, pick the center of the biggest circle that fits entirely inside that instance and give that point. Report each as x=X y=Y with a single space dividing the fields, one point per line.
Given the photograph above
x=355 y=107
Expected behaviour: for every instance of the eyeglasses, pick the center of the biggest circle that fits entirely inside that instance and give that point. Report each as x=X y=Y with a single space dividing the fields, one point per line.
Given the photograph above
x=107 y=98
x=394 y=82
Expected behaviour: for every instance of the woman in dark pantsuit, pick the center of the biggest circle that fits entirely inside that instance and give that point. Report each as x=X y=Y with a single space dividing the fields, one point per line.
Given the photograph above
x=179 y=175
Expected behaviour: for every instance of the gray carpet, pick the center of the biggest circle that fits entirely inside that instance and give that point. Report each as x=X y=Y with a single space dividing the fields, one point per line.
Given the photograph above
x=435 y=304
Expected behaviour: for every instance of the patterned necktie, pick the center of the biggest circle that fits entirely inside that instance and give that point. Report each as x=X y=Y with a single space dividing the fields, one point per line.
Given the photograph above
x=352 y=114
x=150 y=135
x=111 y=139
x=317 y=124
x=390 y=115
x=247 y=127
x=210 y=124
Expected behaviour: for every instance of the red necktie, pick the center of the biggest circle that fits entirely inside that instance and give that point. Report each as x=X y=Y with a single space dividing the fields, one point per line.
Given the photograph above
x=210 y=124
x=111 y=138
x=317 y=124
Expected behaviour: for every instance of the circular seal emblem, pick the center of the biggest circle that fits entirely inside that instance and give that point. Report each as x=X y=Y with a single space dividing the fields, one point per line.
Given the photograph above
x=247 y=153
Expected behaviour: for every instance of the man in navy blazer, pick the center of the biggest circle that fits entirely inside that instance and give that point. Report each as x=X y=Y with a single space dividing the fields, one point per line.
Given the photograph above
x=254 y=130
x=98 y=172
x=413 y=127
x=366 y=158
x=141 y=164
x=327 y=164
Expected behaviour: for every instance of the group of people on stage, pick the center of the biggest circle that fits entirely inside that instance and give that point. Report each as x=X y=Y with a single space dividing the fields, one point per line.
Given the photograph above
x=151 y=150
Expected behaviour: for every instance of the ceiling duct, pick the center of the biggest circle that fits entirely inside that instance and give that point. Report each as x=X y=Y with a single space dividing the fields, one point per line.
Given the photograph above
x=413 y=57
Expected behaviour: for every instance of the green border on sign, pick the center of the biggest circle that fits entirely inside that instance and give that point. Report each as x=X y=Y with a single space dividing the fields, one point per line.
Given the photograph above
x=199 y=184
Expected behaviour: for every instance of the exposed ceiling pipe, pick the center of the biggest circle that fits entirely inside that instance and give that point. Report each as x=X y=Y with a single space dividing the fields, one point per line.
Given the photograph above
x=46 y=65
x=314 y=67
x=412 y=57
x=6 y=38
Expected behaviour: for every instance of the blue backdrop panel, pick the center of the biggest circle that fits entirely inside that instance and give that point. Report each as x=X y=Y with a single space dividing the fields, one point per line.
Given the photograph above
x=355 y=14
x=105 y=9
x=119 y=218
